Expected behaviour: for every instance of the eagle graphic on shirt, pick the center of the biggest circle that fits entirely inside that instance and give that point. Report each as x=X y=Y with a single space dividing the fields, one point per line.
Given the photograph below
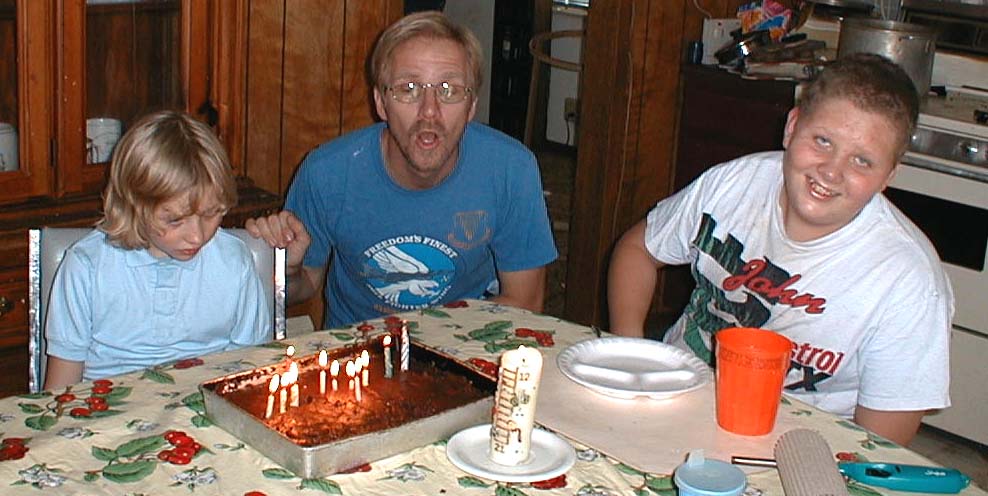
x=409 y=272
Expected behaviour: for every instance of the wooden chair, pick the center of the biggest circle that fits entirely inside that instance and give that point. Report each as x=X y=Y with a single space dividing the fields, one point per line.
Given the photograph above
x=46 y=247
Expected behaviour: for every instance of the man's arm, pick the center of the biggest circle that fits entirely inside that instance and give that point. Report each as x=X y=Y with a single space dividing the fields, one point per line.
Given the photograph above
x=284 y=230
x=899 y=427
x=631 y=281
x=522 y=288
x=61 y=373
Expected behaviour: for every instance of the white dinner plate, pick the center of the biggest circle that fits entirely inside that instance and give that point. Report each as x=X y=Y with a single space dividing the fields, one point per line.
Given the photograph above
x=631 y=367
x=550 y=456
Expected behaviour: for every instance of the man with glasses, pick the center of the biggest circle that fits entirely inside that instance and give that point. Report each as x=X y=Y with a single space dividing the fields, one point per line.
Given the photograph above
x=423 y=208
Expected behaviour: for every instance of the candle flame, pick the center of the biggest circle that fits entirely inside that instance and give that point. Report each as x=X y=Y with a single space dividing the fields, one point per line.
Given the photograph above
x=364 y=359
x=323 y=358
x=290 y=377
x=351 y=369
x=290 y=352
x=273 y=385
x=387 y=340
x=334 y=368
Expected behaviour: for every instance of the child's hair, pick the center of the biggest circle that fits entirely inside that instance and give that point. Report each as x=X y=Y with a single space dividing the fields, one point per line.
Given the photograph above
x=431 y=25
x=872 y=83
x=165 y=154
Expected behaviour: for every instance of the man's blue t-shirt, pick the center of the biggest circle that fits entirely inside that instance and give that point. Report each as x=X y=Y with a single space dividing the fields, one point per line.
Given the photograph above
x=395 y=249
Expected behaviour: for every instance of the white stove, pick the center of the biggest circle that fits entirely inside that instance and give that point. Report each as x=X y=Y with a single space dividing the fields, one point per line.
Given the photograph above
x=942 y=185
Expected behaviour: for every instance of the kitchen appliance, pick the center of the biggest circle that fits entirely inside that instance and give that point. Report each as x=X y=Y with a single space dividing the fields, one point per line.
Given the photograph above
x=910 y=45
x=942 y=185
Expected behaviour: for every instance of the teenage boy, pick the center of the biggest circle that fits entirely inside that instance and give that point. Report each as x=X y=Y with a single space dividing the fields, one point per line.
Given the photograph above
x=802 y=242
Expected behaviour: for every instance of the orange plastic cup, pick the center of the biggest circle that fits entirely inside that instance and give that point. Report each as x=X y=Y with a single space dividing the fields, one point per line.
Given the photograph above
x=751 y=367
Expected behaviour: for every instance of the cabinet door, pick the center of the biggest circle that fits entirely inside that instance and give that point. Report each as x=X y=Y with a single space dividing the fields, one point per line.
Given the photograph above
x=118 y=60
x=26 y=43
x=76 y=73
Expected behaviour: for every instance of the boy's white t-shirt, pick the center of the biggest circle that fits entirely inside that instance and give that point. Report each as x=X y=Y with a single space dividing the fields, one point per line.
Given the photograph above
x=868 y=307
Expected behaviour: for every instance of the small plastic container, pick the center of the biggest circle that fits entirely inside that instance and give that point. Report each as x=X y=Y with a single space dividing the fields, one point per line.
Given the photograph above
x=707 y=477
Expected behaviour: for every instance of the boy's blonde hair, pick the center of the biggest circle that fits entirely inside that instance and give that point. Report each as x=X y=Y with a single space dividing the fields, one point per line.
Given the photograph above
x=428 y=24
x=164 y=155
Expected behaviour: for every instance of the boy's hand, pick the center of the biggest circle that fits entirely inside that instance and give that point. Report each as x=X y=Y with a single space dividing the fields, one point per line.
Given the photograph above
x=282 y=230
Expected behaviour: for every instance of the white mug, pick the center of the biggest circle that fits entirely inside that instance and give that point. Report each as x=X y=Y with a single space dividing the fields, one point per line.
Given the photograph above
x=102 y=134
x=8 y=147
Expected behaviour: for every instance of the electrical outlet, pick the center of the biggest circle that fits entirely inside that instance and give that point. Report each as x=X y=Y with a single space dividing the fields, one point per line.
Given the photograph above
x=570 y=109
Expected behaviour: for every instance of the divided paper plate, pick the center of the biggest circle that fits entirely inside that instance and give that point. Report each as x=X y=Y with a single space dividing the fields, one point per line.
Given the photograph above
x=628 y=368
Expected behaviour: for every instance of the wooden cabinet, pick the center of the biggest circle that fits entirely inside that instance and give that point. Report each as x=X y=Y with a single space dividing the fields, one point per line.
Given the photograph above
x=77 y=74
x=273 y=78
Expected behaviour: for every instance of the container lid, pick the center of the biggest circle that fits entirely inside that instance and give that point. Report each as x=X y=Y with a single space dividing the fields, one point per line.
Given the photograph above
x=707 y=477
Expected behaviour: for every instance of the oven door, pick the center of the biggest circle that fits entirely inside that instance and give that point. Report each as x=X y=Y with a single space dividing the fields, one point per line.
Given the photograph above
x=949 y=203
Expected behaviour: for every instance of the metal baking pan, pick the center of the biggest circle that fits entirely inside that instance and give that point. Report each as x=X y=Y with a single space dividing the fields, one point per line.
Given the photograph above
x=338 y=456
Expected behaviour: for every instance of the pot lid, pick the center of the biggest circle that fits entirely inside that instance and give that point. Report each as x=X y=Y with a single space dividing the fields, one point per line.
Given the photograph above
x=852 y=5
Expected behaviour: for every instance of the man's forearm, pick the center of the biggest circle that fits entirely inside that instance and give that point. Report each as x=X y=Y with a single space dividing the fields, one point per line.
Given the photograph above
x=301 y=284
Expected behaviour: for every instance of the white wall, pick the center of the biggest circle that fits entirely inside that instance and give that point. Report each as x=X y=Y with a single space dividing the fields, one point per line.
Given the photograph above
x=563 y=84
x=479 y=17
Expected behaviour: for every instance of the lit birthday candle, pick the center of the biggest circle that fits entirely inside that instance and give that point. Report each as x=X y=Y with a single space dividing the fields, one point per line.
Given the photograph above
x=282 y=394
x=289 y=353
x=351 y=370
x=405 y=348
x=334 y=370
x=514 y=405
x=323 y=359
x=364 y=367
x=272 y=389
x=389 y=366
x=293 y=391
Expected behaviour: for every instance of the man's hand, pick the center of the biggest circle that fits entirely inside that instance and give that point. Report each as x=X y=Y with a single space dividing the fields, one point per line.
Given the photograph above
x=283 y=230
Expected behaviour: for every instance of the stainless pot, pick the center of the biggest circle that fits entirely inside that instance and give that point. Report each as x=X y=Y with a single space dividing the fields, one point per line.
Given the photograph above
x=910 y=45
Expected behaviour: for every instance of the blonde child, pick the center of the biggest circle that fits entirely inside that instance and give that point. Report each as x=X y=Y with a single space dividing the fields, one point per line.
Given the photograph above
x=157 y=280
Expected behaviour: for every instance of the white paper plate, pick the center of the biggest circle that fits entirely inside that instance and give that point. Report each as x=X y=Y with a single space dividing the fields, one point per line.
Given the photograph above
x=631 y=367
x=550 y=456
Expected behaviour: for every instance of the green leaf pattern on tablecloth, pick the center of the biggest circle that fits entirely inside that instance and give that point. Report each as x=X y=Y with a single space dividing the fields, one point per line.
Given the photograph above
x=158 y=375
x=858 y=489
x=471 y=481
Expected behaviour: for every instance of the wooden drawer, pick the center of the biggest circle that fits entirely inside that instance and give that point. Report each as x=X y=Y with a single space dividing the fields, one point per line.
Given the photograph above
x=13 y=370
x=14 y=307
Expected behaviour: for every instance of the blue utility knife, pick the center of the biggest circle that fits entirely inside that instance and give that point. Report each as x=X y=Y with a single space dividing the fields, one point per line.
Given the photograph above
x=912 y=478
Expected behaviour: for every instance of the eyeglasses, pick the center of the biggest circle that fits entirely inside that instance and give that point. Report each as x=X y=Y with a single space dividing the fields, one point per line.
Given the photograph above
x=446 y=92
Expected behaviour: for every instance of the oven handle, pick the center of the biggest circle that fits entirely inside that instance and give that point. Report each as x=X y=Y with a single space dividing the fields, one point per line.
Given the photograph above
x=923 y=162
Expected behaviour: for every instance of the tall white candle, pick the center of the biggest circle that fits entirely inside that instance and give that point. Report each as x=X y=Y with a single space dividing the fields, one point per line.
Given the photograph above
x=334 y=370
x=293 y=391
x=405 y=348
x=389 y=366
x=272 y=389
x=323 y=359
x=514 y=405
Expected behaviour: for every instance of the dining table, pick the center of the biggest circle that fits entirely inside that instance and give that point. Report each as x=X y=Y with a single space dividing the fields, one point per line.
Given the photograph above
x=107 y=436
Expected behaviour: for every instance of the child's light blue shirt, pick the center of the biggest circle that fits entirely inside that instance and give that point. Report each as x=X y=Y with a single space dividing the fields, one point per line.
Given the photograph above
x=121 y=310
